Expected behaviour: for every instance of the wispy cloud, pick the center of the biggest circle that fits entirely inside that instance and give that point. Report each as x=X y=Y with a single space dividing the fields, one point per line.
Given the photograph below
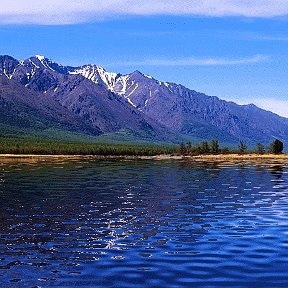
x=68 y=12
x=275 y=105
x=274 y=38
x=278 y=106
x=192 y=61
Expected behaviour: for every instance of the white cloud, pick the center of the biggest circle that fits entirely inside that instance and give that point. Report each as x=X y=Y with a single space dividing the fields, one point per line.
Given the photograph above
x=76 y=11
x=192 y=61
x=275 y=105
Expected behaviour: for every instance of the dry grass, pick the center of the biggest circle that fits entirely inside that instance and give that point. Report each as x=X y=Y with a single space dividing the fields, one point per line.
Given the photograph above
x=229 y=158
x=208 y=157
x=243 y=157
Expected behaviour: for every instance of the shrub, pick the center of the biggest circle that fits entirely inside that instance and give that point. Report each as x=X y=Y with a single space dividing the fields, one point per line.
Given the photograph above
x=260 y=149
x=276 y=147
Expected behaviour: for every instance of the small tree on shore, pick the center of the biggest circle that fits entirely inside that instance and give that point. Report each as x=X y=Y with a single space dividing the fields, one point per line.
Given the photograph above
x=189 y=148
x=183 y=149
x=204 y=147
x=260 y=149
x=225 y=150
x=276 y=147
x=242 y=147
x=214 y=146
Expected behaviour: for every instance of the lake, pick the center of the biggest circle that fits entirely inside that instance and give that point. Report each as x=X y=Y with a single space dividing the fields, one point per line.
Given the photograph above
x=142 y=223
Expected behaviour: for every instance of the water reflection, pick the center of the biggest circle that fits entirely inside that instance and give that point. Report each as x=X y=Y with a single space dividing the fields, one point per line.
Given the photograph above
x=277 y=172
x=141 y=223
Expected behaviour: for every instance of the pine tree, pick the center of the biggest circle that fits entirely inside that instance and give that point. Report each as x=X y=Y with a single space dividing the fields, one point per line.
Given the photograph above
x=276 y=147
x=260 y=149
x=215 y=146
x=242 y=147
x=204 y=147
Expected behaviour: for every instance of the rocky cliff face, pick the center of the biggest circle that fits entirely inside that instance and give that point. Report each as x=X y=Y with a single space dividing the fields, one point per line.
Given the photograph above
x=111 y=102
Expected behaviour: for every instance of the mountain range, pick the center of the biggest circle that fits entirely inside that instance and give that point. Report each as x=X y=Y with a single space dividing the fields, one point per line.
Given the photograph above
x=40 y=94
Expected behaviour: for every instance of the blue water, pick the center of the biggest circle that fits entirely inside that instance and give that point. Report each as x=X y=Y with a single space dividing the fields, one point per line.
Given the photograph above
x=138 y=223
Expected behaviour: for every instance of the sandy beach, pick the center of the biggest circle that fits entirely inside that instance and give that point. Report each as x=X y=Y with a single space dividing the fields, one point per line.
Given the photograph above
x=208 y=158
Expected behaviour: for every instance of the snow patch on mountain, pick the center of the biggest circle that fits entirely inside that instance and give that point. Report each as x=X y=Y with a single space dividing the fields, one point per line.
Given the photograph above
x=122 y=82
x=115 y=82
x=97 y=75
x=109 y=78
x=36 y=66
x=148 y=76
x=40 y=57
x=45 y=62
x=134 y=89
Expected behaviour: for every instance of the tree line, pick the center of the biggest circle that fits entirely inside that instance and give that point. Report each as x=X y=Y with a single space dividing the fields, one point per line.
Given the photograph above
x=42 y=147
x=213 y=147
x=32 y=146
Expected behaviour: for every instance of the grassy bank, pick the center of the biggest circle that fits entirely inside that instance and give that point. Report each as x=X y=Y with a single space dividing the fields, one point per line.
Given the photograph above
x=43 y=147
x=16 y=147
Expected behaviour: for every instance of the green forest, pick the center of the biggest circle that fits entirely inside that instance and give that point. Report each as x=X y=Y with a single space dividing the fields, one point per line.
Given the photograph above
x=213 y=147
x=60 y=147
x=50 y=147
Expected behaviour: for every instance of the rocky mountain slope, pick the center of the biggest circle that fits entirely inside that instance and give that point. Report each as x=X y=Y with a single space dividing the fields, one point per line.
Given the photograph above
x=24 y=108
x=189 y=112
x=112 y=102
x=194 y=113
x=91 y=102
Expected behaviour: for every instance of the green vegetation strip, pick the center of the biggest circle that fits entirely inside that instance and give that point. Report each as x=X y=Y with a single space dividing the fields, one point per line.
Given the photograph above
x=42 y=147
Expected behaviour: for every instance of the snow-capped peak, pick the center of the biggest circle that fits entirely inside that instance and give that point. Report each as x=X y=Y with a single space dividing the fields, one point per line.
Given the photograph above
x=109 y=78
x=97 y=74
x=43 y=60
x=40 y=57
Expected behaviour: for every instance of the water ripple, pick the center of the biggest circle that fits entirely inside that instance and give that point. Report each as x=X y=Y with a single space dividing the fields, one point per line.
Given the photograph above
x=102 y=223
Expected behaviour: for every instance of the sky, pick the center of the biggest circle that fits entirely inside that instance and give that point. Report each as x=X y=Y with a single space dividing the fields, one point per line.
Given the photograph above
x=233 y=49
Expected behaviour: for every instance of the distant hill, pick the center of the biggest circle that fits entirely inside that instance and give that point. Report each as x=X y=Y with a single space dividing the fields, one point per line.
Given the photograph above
x=90 y=100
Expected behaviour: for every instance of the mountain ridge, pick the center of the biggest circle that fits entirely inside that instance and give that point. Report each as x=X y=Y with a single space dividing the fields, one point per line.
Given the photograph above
x=111 y=101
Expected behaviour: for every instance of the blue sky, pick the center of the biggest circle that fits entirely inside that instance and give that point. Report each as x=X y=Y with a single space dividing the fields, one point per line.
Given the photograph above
x=224 y=48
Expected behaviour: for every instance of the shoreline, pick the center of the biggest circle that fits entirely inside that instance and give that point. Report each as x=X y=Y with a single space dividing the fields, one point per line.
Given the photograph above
x=198 y=158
